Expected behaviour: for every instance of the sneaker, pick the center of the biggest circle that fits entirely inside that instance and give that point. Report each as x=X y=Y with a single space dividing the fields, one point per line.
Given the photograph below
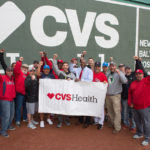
x=67 y=123
x=5 y=135
x=137 y=136
x=11 y=128
x=31 y=126
x=59 y=125
x=144 y=143
x=95 y=123
x=34 y=122
x=42 y=124
x=25 y=120
x=115 y=131
x=18 y=124
x=50 y=122
x=99 y=126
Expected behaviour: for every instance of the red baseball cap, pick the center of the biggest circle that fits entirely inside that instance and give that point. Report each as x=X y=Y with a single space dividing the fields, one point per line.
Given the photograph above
x=74 y=59
x=139 y=71
x=60 y=61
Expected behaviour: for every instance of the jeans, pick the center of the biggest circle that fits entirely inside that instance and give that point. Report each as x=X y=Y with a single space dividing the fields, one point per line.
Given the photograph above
x=87 y=120
x=126 y=113
x=60 y=118
x=7 y=114
x=131 y=116
x=20 y=101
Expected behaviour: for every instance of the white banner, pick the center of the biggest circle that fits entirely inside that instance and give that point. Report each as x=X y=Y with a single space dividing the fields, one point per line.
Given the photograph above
x=71 y=98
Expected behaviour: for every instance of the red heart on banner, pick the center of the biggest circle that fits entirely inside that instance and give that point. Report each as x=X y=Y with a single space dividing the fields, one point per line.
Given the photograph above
x=50 y=95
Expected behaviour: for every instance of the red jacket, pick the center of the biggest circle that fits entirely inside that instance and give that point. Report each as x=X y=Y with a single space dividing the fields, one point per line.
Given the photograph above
x=19 y=78
x=7 y=88
x=139 y=93
x=99 y=77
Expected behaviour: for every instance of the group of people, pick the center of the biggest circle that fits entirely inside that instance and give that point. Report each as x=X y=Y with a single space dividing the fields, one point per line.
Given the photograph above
x=127 y=102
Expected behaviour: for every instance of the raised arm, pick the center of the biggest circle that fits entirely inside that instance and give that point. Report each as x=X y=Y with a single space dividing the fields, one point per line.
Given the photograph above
x=48 y=62
x=4 y=66
x=17 y=69
x=122 y=77
x=55 y=67
x=39 y=68
x=139 y=65
x=83 y=55
x=43 y=60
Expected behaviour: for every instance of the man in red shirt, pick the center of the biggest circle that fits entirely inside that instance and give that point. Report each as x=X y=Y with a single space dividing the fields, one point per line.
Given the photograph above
x=99 y=76
x=139 y=99
x=7 y=95
x=20 y=73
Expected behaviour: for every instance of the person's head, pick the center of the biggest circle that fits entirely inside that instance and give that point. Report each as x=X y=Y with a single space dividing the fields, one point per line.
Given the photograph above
x=112 y=66
x=83 y=63
x=139 y=74
x=74 y=60
x=46 y=69
x=13 y=65
x=122 y=68
x=97 y=67
x=91 y=62
x=9 y=71
x=65 y=66
x=24 y=68
x=105 y=66
x=35 y=64
x=32 y=71
x=128 y=71
x=60 y=63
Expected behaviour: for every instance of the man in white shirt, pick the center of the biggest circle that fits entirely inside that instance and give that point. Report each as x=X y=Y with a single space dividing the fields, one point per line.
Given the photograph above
x=83 y=73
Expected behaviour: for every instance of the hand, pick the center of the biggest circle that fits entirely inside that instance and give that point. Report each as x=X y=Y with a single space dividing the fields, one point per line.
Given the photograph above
x=2 y=50
x=45 y=54
x=21 y=59
x=105 y=82
x=117 y=70
x=131 y=105
x=77 y=80
x=111 y=59
x=97 y=80
x=68 y=79
x=41 y=54
x=140 y=59
x=135 y=57
x=33 y=77
x=41 y=63
x=55 y=56
x=84 y=53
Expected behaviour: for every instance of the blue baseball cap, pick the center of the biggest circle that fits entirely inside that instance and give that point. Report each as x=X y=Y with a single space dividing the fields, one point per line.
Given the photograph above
x=105 y=64
x=46 y=67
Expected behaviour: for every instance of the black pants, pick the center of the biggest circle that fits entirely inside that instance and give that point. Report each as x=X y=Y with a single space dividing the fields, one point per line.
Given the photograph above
x=87 y=120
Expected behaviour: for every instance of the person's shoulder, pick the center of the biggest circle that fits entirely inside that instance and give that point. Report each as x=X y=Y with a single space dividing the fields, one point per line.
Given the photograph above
x=101 y=73
x=87 y=68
